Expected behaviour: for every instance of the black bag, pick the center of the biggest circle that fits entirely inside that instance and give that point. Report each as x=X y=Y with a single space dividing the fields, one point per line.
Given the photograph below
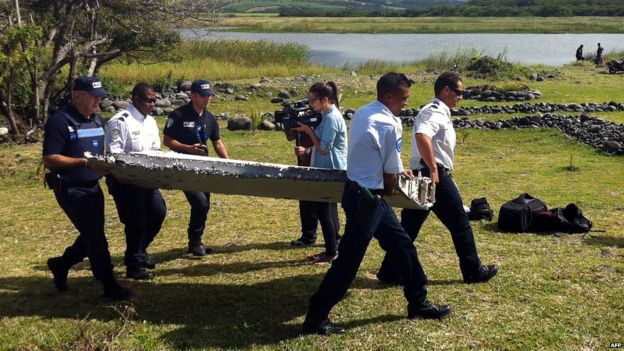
x=568 y=220
x=480 y=209
x=519 y=214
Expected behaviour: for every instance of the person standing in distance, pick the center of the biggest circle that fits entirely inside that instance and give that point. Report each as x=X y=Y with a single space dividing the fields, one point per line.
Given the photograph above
x=373 y=167
x=187 y=130
x=141 y=210
x=433 y=153
x=69 y=133
x=329 y=151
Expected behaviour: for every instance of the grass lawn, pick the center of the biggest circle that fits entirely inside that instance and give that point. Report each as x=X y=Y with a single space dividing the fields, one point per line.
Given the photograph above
x=553 y=291
x=426 y=24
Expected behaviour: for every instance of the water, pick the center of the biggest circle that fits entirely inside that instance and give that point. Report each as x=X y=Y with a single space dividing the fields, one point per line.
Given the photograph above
x=340 y=49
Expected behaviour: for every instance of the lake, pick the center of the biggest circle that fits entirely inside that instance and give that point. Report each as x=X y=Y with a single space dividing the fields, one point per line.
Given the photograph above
x=341 y=49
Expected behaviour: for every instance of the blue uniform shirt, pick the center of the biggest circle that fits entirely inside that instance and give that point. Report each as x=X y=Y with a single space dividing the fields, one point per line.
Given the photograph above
x=187 y=127
x=70 y=134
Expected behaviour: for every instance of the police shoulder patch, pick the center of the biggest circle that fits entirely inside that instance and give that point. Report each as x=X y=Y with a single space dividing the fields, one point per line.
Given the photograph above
x=169 y=122
x=399 y=144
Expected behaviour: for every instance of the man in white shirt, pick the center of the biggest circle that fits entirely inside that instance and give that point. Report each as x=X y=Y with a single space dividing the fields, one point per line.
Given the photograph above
x=141 y=210
x=433 y=153
x=373 y=167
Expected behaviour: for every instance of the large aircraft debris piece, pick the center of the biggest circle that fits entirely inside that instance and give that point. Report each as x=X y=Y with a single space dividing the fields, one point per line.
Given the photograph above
x=170 y=170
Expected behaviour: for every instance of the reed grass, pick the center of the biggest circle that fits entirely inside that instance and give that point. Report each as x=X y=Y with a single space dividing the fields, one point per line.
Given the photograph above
x=220 y=60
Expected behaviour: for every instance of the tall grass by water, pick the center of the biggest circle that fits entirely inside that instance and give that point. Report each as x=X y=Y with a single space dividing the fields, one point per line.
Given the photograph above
x=220 y=59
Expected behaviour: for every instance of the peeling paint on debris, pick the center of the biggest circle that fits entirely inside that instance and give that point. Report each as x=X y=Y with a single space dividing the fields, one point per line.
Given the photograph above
x=171 y=170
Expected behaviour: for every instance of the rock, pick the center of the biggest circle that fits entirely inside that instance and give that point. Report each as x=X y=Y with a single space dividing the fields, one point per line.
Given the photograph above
x=283 y=94
x=229 y=90
x=268 y=94
x=179 y=102
x=266 y=125
x=540 y=78
x=264 y=80
x=121 y=105
x=241 y=98
x=533 y=76
x=109 y=109
x=185 y=85
x=277 y=100
x=612 y=146
x=239 y=123
x=106 y=103
x=293 y=92
x=4 y=131
x=181 y=96
x=353 y=74
x=163 y=102
x=167 y=110
x=157 y=111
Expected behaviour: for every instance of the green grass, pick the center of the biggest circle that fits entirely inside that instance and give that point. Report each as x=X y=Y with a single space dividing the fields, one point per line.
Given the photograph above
x=427 y=24
x=553 y=292
x=218 y=60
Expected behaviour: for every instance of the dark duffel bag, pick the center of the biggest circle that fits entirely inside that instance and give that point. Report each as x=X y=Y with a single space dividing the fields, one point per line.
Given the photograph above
x=568 y=220
x=519 y=214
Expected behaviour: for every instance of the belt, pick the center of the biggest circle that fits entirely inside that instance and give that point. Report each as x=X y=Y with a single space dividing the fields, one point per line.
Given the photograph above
x=379 y=192
x=441 y=169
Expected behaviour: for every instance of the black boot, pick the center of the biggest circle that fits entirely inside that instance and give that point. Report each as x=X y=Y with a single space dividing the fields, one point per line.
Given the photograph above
x=114 y=291
x=59 y=270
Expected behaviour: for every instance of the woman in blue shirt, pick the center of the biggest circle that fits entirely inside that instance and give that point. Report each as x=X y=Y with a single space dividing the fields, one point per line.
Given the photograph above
x=329 y=151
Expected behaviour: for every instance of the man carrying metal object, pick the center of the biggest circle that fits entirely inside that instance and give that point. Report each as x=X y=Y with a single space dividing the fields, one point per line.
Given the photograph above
x=187 y=130
x=433 y=153
x=373 y=167
x=142 y=210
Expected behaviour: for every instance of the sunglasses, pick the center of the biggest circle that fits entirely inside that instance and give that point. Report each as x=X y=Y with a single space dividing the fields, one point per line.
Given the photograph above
x=148 y=100
x=458 y=92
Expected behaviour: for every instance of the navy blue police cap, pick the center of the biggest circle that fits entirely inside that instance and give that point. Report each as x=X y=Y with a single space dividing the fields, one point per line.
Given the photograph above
x=91 y=85
x=201 y=87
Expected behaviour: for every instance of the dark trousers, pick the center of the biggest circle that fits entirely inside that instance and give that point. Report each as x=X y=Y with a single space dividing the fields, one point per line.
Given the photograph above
x=84 y=205
x=200 y=205
x=449 y=208
x=309 y=221
x=327 y=214
x=142 y=211
x=362 y=225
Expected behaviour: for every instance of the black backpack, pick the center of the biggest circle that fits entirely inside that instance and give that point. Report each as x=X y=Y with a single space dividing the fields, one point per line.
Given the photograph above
x=568 y=220
x=518 y=215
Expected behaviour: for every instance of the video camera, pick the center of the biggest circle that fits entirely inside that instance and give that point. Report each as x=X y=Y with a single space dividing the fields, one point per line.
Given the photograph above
x=295 y=112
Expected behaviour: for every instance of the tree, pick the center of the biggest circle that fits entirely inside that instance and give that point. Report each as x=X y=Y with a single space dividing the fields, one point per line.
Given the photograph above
x=45 y=44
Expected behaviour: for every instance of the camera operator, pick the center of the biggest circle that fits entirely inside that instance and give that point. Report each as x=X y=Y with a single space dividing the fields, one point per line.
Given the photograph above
x=329 y=151
x=307 y=216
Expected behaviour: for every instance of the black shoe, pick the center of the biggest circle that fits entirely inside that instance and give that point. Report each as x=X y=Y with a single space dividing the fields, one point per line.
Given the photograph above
x=59 y=272
x=138 y=273
x=302 y=242
x=390 y=280
x=199 y=250
x=117 y=292
x=149 y=264
x=427 y=310
x=483 y=274
x=324 y=327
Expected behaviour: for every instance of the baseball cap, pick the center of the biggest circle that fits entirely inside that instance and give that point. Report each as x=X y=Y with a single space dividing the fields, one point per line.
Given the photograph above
x=201 y=87
x=91 y=85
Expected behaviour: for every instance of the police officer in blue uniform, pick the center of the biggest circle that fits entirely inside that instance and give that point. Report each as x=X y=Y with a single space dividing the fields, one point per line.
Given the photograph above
x=142 y=210
x=187 y=130
x=69 y=133
x=433 y=154
x=373 y=167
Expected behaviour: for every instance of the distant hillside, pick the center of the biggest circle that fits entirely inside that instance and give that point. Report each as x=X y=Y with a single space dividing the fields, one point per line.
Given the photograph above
x=419 y=8
x=346 y=7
